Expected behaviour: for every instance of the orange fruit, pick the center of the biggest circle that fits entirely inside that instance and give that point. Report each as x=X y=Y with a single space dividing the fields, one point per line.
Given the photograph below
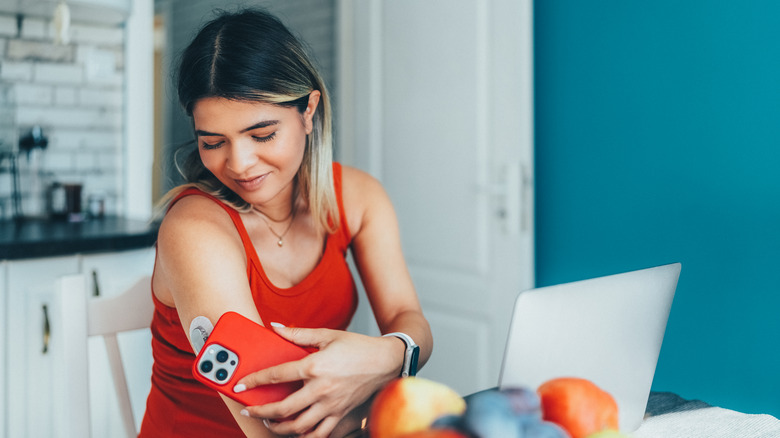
x=578 y=405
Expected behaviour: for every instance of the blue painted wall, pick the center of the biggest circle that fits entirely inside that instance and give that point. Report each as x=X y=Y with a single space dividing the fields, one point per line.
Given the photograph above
x=658 y=140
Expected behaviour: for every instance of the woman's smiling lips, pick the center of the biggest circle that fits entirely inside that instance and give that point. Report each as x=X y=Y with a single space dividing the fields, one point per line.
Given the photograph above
x=251 y=183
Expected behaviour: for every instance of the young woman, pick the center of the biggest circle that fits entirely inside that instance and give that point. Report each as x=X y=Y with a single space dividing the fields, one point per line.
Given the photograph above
x=262 y=228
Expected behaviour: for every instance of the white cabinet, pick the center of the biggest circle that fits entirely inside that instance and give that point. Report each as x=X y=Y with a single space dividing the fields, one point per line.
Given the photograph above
x=3 y=329
x=28 y=363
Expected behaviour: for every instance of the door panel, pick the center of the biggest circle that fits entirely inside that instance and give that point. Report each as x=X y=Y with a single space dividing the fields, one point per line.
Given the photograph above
x=470 y=337
x=441 y=113
x=433 y=131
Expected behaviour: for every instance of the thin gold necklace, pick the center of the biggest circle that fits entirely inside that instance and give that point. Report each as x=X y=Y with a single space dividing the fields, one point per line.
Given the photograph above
x=280 y=237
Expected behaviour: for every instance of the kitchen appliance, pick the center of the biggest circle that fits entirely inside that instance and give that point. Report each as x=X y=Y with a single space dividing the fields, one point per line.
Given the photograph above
x=28 y=174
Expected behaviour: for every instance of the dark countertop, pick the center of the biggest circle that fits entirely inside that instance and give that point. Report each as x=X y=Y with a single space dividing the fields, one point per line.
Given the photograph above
x=35 y=238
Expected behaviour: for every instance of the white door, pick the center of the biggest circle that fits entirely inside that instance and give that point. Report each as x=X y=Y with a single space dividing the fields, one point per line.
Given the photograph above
x=436 y=101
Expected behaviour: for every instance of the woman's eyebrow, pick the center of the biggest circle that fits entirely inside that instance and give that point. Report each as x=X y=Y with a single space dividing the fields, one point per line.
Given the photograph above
x=263 y=124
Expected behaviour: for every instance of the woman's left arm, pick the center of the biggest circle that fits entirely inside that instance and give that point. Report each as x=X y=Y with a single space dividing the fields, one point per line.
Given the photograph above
x=379 y=258
x=349 y=368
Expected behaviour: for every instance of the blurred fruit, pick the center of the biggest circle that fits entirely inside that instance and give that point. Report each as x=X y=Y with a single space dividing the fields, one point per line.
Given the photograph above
x=525 y=403
x=543 y=429
x=578 y=405
x=489 y=414
x=411 y=404
x=608 y=434
x=435 y=433
x=454 y=422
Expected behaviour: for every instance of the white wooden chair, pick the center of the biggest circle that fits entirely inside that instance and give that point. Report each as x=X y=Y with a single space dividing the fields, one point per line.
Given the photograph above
x=81 y=316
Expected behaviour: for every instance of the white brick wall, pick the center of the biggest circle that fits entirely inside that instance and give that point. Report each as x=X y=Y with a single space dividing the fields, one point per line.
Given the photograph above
x=76 y=94
x=98 y=36
x=28 y=93
x=24 y=49
x=101 y=97
x=51 y=73
x=16 y=71
x=8 y=25
x=56 y=117
x=65 y=95
x=36 y=29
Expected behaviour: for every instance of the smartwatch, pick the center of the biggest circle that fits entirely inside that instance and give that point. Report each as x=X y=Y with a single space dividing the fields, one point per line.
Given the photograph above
x=410 y=355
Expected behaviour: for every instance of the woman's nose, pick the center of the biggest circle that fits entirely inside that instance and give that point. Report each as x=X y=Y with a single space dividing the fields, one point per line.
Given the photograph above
x=241 y=158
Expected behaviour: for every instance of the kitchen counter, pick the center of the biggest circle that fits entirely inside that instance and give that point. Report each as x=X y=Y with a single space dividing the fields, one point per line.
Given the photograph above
x=35 y=238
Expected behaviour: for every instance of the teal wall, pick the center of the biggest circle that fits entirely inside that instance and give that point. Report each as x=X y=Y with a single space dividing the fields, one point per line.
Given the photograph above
x=658 y=140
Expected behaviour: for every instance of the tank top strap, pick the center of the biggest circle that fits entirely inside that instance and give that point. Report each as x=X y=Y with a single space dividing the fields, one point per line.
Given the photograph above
x=235 y=216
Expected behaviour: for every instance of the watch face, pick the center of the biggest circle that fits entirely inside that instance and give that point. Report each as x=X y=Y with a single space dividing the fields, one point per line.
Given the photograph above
x=413 y=361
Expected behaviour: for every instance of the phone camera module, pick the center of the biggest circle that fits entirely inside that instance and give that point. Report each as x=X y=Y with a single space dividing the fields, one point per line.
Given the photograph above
x=206 y=366
x=222 y=356
x=221 y=374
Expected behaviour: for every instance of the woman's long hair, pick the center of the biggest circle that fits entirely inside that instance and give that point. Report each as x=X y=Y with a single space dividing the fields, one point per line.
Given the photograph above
x=251 y=56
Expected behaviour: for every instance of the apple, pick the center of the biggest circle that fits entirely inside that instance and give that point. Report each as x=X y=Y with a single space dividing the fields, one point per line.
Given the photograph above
x=578 y=405
x=411 y=404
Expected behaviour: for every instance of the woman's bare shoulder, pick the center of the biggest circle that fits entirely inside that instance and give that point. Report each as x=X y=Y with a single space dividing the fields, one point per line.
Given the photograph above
x=196 y=240
x=195 y=214
x=364 y=197
x=196 y=225
x=359 y=184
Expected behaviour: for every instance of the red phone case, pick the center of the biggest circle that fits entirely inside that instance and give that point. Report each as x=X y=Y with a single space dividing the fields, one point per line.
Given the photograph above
x=239 y=346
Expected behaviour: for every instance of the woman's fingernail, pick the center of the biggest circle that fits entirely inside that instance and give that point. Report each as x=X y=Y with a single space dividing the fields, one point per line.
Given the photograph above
x=267 y=423
x=240 y=387
x=277 y=325
x=244 y=412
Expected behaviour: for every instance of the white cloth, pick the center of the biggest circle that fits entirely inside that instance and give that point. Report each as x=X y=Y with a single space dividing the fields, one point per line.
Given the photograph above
x=672 y=417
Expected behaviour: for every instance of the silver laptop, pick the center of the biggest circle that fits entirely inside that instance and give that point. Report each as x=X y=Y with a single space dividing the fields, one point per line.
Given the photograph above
x=608 y=330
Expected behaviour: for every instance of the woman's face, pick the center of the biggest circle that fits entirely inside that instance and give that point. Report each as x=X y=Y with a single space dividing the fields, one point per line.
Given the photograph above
x=254 y=148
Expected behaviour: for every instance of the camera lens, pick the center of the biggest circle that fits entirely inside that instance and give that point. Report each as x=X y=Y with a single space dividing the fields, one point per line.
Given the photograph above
x=206 y=366
x=221 y=374
x=222 y=356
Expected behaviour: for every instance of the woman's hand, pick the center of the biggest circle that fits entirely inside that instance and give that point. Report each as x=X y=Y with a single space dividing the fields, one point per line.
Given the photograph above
x=346 y=371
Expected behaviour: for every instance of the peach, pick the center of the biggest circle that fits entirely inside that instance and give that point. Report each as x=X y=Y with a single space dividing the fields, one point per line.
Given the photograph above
x=578 y=405
x=411 y=404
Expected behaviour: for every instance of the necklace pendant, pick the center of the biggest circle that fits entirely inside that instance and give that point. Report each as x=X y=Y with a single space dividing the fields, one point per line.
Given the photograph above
x=280 y=243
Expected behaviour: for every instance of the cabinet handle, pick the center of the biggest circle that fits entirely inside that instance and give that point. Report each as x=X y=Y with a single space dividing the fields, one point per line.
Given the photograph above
x=95 y=285
x=46 y=329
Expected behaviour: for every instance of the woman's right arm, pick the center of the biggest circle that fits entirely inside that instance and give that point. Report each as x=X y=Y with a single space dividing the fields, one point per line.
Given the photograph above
x=201 y=267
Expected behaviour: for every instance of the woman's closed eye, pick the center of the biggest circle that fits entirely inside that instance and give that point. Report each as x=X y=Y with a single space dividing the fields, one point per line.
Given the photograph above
x=209 y=146
x=263 y=139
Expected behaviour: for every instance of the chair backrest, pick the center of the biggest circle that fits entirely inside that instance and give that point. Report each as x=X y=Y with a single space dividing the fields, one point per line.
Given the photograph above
x=82 y=316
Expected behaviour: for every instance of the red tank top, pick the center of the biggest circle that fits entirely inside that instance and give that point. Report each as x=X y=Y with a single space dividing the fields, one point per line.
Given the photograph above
x=180 y=406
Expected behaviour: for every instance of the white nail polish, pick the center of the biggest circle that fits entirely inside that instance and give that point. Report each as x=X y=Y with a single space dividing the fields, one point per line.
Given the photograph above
x=239 y=388
x=244 y=412
x=267 y=423
x=277 y=325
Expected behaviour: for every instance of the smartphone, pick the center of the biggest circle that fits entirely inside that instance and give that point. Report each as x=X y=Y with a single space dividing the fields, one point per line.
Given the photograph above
x=239 y=346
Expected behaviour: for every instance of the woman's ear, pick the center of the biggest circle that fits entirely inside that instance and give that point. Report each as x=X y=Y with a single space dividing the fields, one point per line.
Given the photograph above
x=311 y=108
